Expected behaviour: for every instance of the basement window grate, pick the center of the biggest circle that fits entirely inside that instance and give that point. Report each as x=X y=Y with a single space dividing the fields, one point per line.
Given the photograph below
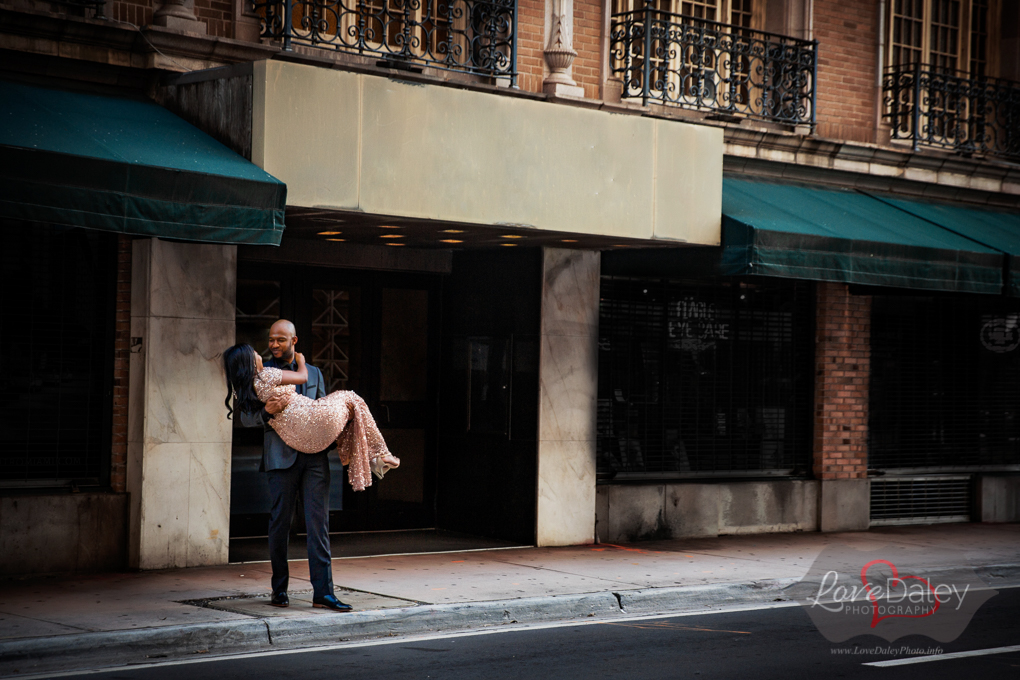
x=921 y=500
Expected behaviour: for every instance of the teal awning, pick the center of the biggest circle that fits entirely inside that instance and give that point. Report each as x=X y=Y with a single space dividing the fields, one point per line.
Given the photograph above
x=994 y=229
x=793 y=231
x=130 y=166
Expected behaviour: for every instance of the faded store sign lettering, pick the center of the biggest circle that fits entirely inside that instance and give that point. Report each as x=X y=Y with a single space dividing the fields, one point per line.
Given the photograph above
x=695 y=326
x=1001 y=334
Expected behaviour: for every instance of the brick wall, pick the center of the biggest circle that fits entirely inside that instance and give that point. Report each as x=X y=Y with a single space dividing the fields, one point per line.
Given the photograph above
x=587 y=69
x=847 y=34
x=138 y=13
x=531 y=33
x=218 y=15
x=842 y=372
x=121 y=359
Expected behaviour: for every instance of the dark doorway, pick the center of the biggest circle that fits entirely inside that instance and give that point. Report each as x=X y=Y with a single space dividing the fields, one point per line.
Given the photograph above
x=372 y=332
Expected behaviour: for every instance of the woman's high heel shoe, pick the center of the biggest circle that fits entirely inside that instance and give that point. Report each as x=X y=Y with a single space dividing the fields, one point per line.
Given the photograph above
x=381 y=467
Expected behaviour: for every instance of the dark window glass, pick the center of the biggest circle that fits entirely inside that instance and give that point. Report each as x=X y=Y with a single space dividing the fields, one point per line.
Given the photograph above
x=56 y=341
x=944 y=377
x=698 y=378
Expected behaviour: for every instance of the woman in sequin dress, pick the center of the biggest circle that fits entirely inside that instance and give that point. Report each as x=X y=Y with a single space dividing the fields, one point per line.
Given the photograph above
x=310 y=425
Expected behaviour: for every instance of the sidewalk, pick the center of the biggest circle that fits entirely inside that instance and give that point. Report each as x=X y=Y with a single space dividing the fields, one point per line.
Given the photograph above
x=87 y=621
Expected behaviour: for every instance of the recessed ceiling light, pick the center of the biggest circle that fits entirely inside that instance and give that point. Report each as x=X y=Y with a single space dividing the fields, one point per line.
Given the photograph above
x=387 y=226
x=450 y=240
x=568 y=240
x=511 y=236
x=452 y=231
x=330 y=233
x=336 y=239
x=396 y=244
x=392 y=236
x=508 y=245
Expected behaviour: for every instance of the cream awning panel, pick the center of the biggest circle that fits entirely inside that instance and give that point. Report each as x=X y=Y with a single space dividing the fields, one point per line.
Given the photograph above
x=360 y=142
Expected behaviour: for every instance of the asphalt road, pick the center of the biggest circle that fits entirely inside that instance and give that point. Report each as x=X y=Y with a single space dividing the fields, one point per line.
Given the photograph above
x=756 y=644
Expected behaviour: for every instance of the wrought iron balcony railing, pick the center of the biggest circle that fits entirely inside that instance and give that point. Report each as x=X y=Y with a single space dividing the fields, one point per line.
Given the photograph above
x=953 y=111
x=475 y=36
x=709 y=66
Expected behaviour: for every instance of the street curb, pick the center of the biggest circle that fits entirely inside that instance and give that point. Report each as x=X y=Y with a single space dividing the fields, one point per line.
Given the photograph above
x=109 y=649
x=138 y=646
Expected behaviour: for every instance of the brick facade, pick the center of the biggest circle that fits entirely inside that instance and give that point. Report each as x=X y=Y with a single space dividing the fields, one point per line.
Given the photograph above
x=842 y=372
x=138 y=13
x=588 y=44
x=530 y=36
x=587 y=69
x=847 y=87
x=218 y=15
x=121 y=359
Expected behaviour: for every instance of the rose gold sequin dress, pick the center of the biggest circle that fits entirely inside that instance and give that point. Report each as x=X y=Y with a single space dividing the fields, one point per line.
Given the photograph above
x=311 y=425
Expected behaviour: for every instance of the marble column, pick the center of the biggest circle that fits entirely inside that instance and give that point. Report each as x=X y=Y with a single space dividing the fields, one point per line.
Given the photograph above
x=568 y=384
x=178 y=468
x=559 y=51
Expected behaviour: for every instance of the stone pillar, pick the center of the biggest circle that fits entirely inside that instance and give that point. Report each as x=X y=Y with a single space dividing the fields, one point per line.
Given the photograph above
x=842 y=381
x=568 y=383
x=179 y=16
x=559 y=51
x=182 y=318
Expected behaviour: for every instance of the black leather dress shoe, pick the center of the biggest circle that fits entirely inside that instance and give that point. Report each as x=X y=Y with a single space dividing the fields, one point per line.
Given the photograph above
x=280 y=600
x=330 y=602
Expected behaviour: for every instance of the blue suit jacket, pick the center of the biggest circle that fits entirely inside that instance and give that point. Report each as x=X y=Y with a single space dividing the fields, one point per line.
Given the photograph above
x=275 y=454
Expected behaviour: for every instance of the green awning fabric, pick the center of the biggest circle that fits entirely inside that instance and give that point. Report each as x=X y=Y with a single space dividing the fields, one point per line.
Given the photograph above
x=793 y=231
x=130 y=166
x=994 y=229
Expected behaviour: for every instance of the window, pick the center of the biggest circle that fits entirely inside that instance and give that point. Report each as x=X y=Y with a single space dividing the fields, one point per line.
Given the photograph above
x=704 y=378
x=944 y=372
x=694 y=70
x=950 y=36
x=743 y=13
x=57 y=331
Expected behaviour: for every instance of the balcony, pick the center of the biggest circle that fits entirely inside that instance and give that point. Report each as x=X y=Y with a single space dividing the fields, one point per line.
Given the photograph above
x=730 y=71
x=472 y=36
x=968 y=115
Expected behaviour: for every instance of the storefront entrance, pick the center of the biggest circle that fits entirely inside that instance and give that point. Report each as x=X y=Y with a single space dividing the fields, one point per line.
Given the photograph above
x=372 y=332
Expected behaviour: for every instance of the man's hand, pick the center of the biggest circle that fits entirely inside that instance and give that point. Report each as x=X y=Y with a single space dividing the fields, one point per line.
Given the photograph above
x=277 y=404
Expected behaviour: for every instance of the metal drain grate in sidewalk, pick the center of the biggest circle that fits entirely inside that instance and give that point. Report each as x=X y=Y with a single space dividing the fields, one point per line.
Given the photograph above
x=920 y=500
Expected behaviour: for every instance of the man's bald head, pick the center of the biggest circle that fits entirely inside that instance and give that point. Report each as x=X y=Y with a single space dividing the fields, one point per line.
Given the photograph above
x=283 y=326
x=282 y=338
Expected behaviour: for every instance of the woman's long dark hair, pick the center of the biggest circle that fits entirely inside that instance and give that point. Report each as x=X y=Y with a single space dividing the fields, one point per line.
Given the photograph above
x=239 y=364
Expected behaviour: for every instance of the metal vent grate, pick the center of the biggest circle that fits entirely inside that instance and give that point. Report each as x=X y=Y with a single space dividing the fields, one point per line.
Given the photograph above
x=920 y=500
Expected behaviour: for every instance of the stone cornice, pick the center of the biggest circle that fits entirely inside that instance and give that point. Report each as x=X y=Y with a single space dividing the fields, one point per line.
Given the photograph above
x=112 y=42
x=925 y=173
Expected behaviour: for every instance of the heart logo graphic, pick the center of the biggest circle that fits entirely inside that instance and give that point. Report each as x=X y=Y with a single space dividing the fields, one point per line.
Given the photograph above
x=875 y=618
